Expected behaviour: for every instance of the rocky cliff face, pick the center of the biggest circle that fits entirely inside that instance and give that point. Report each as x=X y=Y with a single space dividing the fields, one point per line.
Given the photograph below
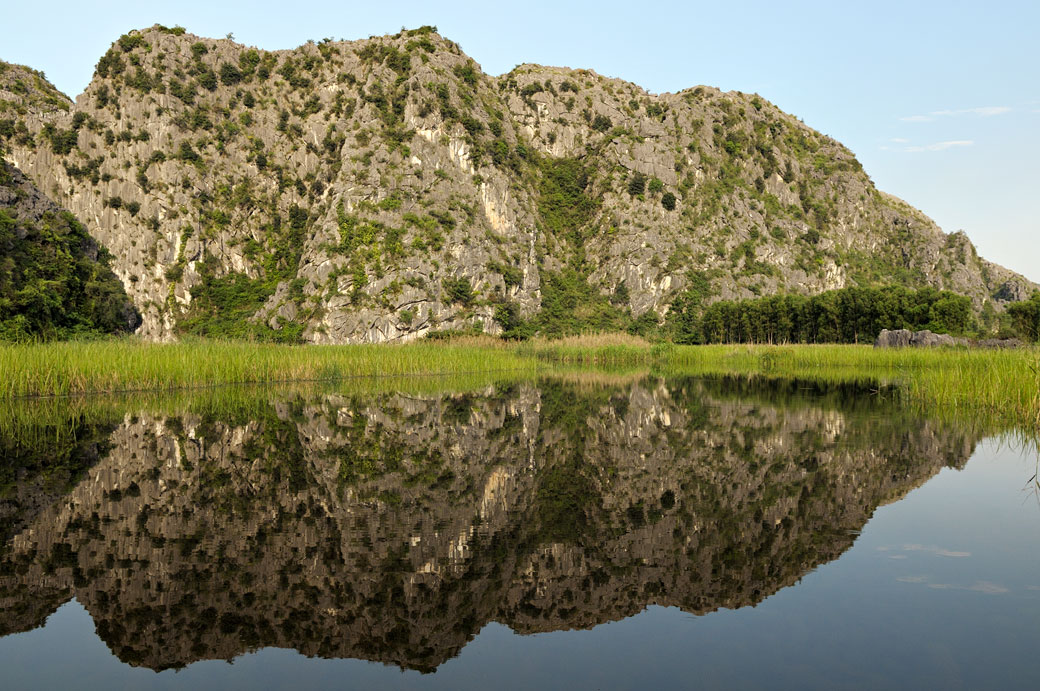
x=393 y=528
x=380 y=189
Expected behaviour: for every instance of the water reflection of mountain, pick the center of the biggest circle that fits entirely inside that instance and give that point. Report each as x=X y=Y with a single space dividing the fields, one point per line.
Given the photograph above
x=392 y=528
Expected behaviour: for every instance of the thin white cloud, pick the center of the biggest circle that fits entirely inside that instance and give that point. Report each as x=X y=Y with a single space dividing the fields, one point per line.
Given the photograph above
x=984 y=112
x=979 y=586
x=987 y=587
x=912 y=579
x=899 y=140
x=940 y=146
x=942 y=552
x=992 y=110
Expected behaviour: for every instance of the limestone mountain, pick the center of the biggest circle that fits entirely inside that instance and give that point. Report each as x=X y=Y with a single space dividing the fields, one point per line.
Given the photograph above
x=382 y=189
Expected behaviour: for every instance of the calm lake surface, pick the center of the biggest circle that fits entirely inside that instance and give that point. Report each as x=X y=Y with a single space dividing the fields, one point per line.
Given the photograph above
x=600 y=531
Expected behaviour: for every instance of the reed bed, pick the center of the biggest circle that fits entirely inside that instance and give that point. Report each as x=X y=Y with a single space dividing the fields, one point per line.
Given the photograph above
x=1001 y=385
x=595 y=349
x=56 y=369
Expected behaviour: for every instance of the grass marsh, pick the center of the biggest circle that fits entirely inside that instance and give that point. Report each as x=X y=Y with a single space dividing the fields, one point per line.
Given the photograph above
x=56 y=369
x=1001 y=385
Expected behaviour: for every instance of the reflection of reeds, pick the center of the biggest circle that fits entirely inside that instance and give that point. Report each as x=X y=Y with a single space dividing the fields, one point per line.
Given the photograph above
x=994 y=388
x=598 y=378
x=32 y=422
x=1034 y=482
x=997 y=388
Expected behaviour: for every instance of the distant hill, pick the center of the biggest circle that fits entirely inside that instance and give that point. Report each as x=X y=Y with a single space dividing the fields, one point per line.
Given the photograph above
x=381 y=189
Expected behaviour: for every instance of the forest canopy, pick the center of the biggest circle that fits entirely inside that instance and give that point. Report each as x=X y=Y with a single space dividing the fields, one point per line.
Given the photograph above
x=55 y=282
x=848 y=315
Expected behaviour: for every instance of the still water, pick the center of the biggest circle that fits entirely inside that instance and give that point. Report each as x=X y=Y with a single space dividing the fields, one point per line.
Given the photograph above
x=599 y=532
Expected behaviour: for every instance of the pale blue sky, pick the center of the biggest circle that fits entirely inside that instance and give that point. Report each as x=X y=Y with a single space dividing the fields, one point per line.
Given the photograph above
x=939 y=100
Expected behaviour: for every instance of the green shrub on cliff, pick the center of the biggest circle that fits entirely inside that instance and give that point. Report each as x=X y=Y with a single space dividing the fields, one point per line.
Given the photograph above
x=55 y=282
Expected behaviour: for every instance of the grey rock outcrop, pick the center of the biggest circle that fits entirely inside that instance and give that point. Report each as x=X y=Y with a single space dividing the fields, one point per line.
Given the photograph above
x=904 y=338
x=897 y=338
x=927 y=339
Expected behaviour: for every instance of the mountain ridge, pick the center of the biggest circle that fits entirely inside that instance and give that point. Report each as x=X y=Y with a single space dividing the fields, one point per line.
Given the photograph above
x=383 y=189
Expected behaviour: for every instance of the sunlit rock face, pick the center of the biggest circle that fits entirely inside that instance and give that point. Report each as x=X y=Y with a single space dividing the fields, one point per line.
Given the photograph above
x=380 y=189
x=393 y=527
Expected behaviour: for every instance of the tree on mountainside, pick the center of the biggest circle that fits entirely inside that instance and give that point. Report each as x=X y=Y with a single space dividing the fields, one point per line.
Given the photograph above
x=1025 y=316
x=50 y=288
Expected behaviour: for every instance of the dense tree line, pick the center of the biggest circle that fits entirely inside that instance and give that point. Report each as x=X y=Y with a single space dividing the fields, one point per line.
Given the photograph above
x=1025 y=317
x=848 y=315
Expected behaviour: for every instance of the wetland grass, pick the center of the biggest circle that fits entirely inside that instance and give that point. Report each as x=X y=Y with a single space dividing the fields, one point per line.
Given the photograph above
x=56 y=369
x=1001 y=385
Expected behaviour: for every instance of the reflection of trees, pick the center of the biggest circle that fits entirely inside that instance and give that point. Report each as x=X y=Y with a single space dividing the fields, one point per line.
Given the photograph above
x=392 y=528
x=42 y=460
